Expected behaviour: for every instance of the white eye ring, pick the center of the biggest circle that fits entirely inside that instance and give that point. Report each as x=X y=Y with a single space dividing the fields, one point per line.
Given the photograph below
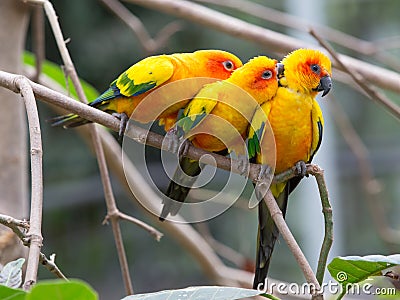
x=267 y=74
x=228 y=65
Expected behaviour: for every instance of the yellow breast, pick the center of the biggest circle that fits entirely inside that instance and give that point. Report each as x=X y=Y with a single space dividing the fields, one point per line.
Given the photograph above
x=291 y=121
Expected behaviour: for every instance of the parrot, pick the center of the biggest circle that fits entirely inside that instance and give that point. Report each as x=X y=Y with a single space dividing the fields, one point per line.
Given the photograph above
x=207 y=117
x=297 y=124
x=149 y=74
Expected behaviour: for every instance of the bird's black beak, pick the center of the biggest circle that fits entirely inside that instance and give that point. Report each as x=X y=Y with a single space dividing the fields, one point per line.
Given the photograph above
x=281 y=69
x=325 y=85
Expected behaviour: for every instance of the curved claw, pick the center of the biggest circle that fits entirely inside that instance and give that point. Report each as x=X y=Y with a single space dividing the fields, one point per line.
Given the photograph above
x=183 y=148
x=301 y=169
x=173 y=140
x=243 y=164
x=123 y=118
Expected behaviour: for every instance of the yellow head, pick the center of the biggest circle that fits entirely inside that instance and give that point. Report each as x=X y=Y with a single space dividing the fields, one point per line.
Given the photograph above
x=307 y=71
x=258 y=77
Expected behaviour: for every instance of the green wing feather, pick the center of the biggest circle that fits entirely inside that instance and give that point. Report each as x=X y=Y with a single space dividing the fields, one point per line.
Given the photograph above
x=256 y=130
x=199 y=107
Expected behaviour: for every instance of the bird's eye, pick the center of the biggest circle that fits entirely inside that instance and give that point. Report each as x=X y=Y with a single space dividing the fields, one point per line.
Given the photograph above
x=267 y=74
x=315 y=68
x=228 y=65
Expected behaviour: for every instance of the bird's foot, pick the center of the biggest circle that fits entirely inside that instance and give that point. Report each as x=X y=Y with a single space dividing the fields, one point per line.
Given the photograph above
x=264 y=179
x=301 y=169
x=243 y=164
x=173 y=140
x=183 y=148
x=123 y=118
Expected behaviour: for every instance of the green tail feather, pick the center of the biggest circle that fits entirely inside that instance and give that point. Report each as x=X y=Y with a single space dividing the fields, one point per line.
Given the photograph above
x=268 y=233
x=68 y=121
x=177 y=193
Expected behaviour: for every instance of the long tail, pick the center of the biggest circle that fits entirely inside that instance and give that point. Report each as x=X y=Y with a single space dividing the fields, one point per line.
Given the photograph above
x=72 y=120
x=177 y=193
x=267 y=235
x=68 y=121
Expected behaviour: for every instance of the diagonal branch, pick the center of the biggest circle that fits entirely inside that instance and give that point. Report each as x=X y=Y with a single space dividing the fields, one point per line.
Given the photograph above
x=360 y=80
x=275 y=41
x=149 y=44
x=278 y=17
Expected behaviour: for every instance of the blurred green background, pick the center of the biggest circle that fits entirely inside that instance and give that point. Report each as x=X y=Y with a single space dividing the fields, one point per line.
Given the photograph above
x=102 y=47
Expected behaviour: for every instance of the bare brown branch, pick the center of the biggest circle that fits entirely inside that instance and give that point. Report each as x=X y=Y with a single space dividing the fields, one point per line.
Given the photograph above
x=108 y=193
x=278 y=17
x=149 y=44
x=21 y=84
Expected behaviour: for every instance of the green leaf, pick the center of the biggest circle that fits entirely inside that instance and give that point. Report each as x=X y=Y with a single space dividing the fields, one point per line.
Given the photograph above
x=62 y=290
x=354 y=269
x=11 y=274
x=198 y=293
x=54 y=71
x=7 y=293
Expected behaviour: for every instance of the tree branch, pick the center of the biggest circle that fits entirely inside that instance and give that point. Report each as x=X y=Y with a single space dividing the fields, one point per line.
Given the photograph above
x=112 y=210
x=149 y=44
x=318 y=173
x=21 y=85
x=20 y=228
x=278 y=17
x=276 y=42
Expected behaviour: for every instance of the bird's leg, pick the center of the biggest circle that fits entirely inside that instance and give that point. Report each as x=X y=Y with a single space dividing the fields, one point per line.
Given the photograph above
x=123 y=118
x=184 y=147
x=243 y=164
x=301 y=169
x=262 y=185
x=173 y=139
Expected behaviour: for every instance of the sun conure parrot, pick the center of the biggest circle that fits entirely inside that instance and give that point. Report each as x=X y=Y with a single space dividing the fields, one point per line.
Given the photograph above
x=142 y=78
x=297 y=124
x=218 y=118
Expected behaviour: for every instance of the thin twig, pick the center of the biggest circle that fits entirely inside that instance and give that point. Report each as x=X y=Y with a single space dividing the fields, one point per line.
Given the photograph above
x=51 y=266
x=221 y=249
x=275 y=41
x=20 y=228
x=150 y=229
x=371 y=186
x=318 y=173
x=34 y=234
x=38 y=37
x=149 y=44
x=112 y=210
x=358 y=78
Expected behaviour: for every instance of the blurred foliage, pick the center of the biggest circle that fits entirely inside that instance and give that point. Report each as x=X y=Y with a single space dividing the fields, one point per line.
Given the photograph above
x=102 y=47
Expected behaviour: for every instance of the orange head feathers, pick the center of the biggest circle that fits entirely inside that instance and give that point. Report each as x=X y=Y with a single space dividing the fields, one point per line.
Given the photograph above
x=307 y=71
x=258 y=77
x=217 y=63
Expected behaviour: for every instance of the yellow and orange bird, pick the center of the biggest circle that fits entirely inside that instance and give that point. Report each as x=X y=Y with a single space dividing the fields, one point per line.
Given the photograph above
x=297 y=124
x=149 y=74
x=218 y=117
